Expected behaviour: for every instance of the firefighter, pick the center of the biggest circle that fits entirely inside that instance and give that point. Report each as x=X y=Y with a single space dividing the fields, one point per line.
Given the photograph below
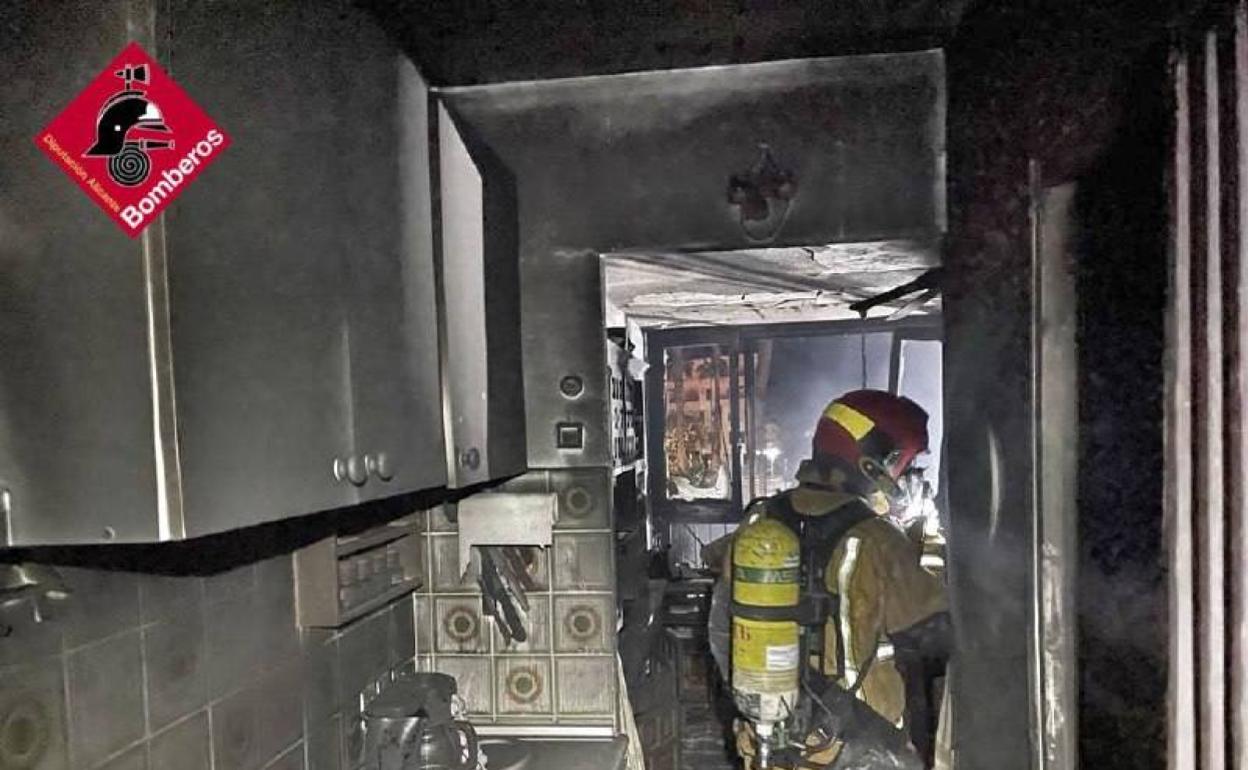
x=888 y=633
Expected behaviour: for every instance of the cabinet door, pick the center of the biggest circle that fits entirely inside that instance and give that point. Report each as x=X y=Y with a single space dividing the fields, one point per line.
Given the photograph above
x=387 y=240
x=76 y=435
x=256 y=265
x=479 y=306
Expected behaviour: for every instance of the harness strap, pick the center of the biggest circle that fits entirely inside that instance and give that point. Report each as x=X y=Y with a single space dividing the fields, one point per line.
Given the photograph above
x=820 y=535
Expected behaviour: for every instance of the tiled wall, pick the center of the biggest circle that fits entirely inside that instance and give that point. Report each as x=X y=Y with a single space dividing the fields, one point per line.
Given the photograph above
x=139 y=671
x=565 y=672
x=148 y=672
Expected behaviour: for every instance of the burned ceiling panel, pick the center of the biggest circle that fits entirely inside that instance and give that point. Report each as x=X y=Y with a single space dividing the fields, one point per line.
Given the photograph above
x=764 y=285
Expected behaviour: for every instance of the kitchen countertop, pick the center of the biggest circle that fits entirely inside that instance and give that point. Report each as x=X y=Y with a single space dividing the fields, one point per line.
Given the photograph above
x=571 y=754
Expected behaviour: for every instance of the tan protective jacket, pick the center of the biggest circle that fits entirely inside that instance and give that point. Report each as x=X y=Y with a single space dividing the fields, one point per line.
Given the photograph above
x=882 y=589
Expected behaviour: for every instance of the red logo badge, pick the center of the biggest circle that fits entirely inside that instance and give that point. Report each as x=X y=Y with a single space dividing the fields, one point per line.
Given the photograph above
x=132 y=140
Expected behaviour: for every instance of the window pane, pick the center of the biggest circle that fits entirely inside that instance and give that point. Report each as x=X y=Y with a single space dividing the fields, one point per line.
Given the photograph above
x=794 y=379
x=920 y=380
x=697 y=441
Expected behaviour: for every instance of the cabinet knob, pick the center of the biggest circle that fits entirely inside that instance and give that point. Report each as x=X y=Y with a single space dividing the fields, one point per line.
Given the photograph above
x=379 y=465
x=357 y=470
x=471 y=459
x=339 y=470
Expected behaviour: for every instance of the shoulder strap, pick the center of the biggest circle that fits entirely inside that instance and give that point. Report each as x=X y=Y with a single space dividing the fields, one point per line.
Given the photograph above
x=820 y=535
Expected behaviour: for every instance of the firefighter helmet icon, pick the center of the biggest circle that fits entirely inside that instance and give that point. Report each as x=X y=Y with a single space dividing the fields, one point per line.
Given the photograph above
x=126 y=127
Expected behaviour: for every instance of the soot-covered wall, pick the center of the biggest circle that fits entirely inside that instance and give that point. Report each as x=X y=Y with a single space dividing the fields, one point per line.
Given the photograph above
x=1080 y=90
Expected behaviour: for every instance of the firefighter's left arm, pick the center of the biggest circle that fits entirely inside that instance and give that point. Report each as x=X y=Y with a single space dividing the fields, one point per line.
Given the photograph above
x=912 y=595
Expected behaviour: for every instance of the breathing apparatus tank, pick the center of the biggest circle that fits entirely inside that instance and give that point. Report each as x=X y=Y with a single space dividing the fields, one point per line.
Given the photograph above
x=766 y=574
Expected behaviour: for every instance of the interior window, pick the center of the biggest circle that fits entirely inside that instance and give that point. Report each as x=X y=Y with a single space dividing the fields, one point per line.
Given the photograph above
x=793 y=380
x=919 y=378
x=697 y=441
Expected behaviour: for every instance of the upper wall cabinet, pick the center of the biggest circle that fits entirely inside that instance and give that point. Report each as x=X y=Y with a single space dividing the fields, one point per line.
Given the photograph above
x=483 y=388
x=267 y=350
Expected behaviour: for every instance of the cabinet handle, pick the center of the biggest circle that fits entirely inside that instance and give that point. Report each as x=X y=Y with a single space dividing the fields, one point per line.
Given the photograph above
x=470 y=459
x=357 y=470
x=379 y=465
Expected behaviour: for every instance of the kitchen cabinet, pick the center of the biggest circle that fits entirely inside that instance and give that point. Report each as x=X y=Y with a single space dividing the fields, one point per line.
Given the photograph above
x=267 y=350
x=74 y=366
x=391 y=302
x=479 y=308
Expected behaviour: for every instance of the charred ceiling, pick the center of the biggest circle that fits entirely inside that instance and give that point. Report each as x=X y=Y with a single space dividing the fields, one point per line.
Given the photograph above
x=775 y=285
x=465 y=42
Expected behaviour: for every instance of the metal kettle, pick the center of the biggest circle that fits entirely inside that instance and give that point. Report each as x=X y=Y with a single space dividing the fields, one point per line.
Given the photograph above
x=412 y=725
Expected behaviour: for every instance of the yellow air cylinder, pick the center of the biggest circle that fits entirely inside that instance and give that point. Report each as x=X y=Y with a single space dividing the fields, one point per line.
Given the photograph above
x=766 y=562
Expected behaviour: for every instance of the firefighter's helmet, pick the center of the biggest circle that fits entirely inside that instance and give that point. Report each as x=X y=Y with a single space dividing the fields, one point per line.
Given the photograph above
x=125 y=111
x=874 y=431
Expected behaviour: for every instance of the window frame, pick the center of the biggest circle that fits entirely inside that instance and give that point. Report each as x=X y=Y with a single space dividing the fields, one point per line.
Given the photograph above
x=735 y=341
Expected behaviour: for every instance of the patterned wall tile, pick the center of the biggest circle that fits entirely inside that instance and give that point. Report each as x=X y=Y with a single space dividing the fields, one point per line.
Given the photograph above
x=584 y=623
x=32 y=709
x=584 y=497
x=523 y=686
x=459 y=626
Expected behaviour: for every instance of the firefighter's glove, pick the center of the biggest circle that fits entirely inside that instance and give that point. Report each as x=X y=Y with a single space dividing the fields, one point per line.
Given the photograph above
x=820 y=752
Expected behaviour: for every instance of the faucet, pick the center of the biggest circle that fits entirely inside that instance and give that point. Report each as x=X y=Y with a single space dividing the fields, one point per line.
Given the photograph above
x=30 y=584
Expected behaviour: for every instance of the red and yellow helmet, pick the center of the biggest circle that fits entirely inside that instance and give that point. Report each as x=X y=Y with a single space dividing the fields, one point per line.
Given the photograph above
x=871 y=427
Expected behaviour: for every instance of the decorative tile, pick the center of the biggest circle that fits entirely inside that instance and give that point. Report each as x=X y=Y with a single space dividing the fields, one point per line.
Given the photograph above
x=584 y=623
x=459 y=626
x=523 y=686
x=584 y=497
x=32 y=709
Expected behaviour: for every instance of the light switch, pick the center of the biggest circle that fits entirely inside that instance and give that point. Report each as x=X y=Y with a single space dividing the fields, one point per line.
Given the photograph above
x=570 y=435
